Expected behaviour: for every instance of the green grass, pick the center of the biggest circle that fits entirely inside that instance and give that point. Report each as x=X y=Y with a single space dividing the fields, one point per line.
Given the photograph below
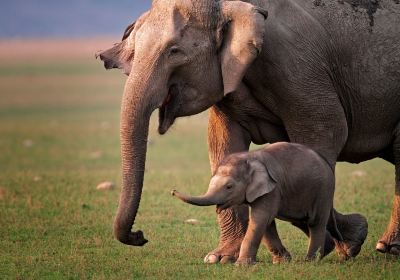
x=59 y=139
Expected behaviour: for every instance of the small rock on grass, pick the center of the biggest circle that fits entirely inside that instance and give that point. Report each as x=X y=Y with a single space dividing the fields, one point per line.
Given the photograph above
x=192 y=221
x=28 y=143
x=37 y=178
x=105 y=186
x=358 y=173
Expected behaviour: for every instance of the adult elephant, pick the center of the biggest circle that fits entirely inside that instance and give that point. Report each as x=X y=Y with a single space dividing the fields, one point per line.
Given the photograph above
x=322 y=73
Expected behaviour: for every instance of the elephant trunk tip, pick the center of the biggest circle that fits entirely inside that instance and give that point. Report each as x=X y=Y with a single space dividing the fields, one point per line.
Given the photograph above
x=181 y=196
x=130 y=238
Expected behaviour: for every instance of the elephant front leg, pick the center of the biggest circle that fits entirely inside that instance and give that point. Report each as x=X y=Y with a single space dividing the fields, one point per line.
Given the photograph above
x=226 y=136
x=390 y=241
x=263 y=212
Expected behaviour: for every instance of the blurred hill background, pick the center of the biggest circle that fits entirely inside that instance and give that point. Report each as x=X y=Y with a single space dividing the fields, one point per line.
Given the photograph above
x=72 y=18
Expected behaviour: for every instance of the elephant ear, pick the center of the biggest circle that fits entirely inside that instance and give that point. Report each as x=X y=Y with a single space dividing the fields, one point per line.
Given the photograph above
x=243 y=37
x=121 y=54
x=261 y=181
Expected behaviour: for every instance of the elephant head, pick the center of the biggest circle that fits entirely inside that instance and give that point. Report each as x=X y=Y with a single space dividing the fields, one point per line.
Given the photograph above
x=181 y=57
x=234 y=184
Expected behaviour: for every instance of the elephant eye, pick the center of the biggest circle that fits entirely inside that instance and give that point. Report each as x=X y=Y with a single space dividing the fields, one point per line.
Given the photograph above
x=174 y=50
x=228 y=187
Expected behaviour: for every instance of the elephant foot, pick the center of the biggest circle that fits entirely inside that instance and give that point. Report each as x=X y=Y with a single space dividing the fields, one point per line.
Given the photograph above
x=392 y=248
x=226 y=253
x=389 y=245
x=284 y=257
x=354 y=231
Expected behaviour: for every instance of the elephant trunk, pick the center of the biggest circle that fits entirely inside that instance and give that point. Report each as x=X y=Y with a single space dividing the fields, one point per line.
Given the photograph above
x=204 y=200
x=140 y=99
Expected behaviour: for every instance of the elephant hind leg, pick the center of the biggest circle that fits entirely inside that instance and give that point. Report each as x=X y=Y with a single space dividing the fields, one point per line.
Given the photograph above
x=274 y=244
x=329 y=241
x=352 y=227
x=354 y=230
x=390 y=241
x=317 y=241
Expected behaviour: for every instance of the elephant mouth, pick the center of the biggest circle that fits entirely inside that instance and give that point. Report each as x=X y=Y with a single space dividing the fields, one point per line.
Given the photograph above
x=221 y=207
x=166 y=114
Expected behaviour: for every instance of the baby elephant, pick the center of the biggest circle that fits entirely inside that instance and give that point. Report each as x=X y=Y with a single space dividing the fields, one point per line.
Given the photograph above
x=284 y=180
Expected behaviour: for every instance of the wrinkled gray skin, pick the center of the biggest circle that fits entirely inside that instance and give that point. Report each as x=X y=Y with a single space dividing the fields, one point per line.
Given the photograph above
x=285 y=181
x=318 y=75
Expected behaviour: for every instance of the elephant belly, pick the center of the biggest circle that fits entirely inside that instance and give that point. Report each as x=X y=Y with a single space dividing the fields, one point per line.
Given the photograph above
x=360 y=148
x=296 y=208
x=262 y=132
x=292 y=218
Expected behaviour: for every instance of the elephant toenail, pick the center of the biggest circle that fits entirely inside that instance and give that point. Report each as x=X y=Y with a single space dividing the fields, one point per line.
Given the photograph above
x=211 y=258
x=381 y=247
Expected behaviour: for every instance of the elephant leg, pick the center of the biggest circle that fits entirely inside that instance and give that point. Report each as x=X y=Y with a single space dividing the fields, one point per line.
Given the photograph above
x=329 y=244
x=354 y=230
x=312 y=132
x=225 y=136
x=390 y=241
x=263 y=213
x=274 y=244
x=317 y=241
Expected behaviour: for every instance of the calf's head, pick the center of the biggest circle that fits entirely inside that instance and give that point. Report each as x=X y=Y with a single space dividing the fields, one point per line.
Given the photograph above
x=236 y=181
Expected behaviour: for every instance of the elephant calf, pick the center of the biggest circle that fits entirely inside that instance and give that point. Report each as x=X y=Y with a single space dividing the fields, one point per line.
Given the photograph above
x=284 y=180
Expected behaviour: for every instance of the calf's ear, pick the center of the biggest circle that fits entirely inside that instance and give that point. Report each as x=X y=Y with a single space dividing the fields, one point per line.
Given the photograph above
x=261 y=181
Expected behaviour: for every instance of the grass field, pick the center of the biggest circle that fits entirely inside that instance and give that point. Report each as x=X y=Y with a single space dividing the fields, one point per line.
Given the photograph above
x=59 y=138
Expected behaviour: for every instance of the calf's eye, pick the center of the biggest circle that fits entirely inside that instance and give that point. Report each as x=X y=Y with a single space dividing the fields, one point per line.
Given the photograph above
x=228 y=187
x=174 y=50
